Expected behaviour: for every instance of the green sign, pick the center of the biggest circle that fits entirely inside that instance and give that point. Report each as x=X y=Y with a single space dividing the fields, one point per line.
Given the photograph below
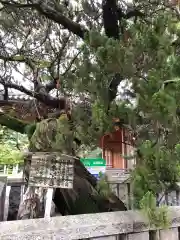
x=93 y=162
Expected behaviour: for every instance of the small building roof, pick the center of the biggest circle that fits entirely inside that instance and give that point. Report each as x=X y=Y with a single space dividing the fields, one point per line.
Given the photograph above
x=24 y=107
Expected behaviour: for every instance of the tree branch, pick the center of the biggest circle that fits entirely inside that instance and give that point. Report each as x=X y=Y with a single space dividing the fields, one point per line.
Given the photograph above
x=12 y=123
x=71 y=63
x=110 y=18
x=134 y=13
x=47 y=99
x=51 y=85
x=23 y=59
x=113 y=86
x=18 y=58
x=59 y=18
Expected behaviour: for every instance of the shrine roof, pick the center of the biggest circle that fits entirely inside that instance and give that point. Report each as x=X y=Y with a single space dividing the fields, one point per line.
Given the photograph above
x=19 y=97
x=24 y=107
x=28 y=109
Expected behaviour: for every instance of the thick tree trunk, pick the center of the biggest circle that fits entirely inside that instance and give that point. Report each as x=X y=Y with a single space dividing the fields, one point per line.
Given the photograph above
x=80 y=199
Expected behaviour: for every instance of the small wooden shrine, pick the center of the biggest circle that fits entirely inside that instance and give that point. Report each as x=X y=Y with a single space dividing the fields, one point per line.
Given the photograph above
x=116 y=146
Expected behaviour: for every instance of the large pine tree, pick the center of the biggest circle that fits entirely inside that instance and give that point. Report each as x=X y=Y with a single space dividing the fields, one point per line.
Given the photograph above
x=87 y=49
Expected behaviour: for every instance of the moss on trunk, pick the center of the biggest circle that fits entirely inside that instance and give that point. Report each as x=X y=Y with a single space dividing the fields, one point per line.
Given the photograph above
x=13 y=123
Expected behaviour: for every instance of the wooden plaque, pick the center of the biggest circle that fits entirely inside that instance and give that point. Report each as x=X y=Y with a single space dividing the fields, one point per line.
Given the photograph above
x=51 y=170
